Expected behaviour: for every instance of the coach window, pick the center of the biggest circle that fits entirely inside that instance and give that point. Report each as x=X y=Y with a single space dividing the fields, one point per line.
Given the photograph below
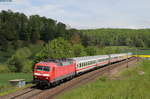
x=78 y=65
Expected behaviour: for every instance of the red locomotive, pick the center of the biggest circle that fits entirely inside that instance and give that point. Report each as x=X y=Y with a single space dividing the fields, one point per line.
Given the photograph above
x=54 y=71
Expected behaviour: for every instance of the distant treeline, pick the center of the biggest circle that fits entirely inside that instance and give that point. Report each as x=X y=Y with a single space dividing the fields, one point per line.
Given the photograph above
x=17 y=29
x=116 y=37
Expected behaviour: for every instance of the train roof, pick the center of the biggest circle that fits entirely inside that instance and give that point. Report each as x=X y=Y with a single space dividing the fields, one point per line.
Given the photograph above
x=63 y=61
x=90 y=58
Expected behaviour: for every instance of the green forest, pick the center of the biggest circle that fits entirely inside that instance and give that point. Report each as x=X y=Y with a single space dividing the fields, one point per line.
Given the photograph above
x=117 y=37
x=25 y=40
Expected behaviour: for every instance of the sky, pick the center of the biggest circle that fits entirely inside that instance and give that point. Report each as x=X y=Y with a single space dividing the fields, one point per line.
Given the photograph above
x=87 y=14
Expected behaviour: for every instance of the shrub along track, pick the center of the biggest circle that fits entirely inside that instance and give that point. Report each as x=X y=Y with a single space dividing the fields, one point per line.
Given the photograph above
x=35 y=93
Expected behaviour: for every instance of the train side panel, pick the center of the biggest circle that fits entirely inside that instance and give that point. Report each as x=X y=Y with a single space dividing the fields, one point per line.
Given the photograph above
x=62 y=72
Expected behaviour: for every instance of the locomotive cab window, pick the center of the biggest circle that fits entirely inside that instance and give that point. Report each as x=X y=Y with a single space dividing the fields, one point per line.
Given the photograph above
x=42 y=68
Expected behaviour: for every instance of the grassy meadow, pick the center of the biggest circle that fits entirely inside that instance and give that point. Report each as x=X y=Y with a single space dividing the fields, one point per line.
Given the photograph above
x=132 y=83
x=5 y=86
x=5 y=77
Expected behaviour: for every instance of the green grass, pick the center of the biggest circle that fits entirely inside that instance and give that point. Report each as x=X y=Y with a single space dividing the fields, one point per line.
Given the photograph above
x=5 y=77
x=14 y=89
x=5 y=86
x=130 y=84
x=144 y=52
x=134 y=50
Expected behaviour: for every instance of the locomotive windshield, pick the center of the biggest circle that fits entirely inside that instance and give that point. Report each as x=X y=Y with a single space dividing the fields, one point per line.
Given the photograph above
x=42 y=68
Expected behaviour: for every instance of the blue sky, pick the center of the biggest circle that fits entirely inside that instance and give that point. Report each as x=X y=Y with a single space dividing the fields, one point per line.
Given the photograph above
x=87 y=13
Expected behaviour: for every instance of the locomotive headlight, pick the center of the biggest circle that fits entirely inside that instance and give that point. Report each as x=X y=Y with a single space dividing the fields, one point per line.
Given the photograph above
x=45 y=74
x=37 y=74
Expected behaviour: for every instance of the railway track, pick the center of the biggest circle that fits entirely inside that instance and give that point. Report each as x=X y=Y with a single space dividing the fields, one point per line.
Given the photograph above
x=34 y=93
x=23 y=94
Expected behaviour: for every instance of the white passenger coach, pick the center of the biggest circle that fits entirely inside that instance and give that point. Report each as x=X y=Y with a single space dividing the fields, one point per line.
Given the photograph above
x=90 y=62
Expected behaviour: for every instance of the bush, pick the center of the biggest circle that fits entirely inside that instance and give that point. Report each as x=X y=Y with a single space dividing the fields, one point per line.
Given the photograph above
x=4 y=68
x=27 y=67
x=16 y=62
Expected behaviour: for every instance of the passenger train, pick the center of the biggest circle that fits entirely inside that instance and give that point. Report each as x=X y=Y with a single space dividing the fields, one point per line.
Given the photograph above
x=53 y=71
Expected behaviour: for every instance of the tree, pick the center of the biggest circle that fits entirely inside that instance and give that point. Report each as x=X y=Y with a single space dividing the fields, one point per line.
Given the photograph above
x=75 y=39
x=57 y=48
x=17 y=61
x=61 y=30
x=34 y=24
x=79 y=50
x=92 y=50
